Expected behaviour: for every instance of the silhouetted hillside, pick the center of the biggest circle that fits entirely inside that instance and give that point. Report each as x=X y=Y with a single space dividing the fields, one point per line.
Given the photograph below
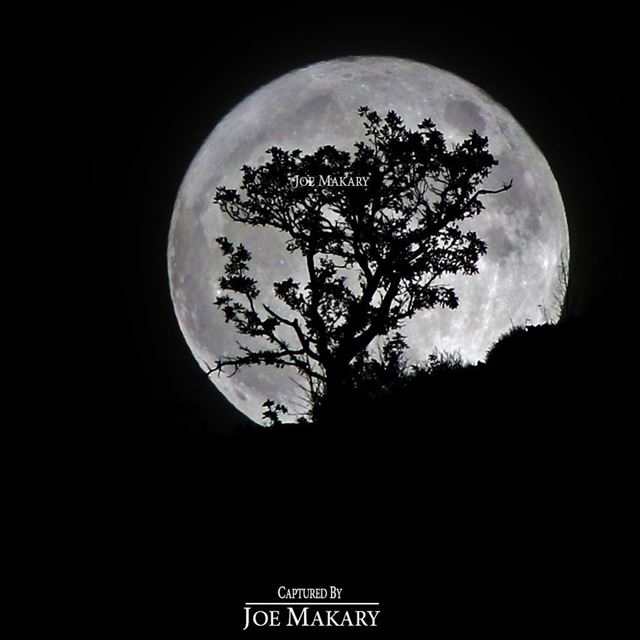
x=542 y=388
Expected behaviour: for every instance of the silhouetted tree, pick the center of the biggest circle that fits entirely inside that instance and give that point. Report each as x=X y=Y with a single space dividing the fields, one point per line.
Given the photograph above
x=374 y=253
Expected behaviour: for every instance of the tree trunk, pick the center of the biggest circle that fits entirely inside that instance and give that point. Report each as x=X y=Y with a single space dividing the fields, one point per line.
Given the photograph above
x=337 y=392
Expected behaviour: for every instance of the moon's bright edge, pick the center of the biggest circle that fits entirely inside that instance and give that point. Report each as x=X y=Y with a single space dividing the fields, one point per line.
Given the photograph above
x=525 y=228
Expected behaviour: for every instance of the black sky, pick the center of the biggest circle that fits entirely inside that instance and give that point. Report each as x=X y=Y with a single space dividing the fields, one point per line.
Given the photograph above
x=141 y=91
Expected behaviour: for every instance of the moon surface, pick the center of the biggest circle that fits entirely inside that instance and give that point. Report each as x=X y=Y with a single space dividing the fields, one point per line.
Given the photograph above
x=525 y=228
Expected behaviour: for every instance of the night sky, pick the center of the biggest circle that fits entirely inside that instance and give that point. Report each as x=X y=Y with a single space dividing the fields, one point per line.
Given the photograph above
x=146 y=90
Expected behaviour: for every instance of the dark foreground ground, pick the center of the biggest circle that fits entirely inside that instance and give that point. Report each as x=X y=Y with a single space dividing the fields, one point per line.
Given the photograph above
x=493 y=498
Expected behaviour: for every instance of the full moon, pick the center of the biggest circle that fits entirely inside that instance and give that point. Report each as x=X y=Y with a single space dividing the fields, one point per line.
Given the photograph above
x=525 y=228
